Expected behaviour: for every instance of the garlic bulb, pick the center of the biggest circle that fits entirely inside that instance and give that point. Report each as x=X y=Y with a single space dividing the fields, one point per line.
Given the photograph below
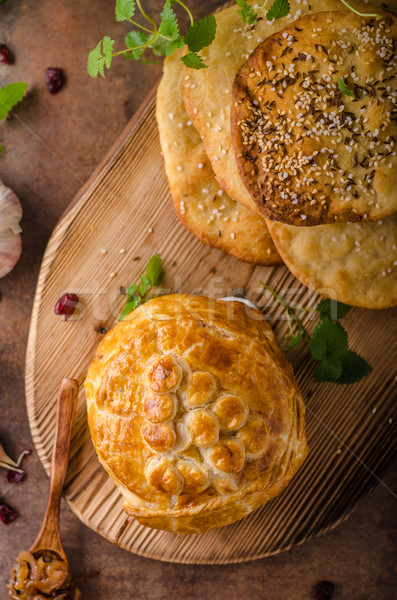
x=10 y=239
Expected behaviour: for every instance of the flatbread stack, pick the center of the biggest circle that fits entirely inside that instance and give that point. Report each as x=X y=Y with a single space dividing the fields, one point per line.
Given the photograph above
x=200 y=203
x=294 y=120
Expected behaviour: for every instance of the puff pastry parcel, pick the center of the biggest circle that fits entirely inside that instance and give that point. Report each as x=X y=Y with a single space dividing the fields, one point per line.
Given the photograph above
x=194 y=412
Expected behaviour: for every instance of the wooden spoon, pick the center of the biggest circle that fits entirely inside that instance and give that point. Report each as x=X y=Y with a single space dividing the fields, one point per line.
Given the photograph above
x=49 y=539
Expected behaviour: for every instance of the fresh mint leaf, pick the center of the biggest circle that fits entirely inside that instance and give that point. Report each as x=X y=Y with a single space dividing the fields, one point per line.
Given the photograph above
x=279 y=9
x=131 y=290
x=247 y=12
x=328 y=370
x=144 y=285
x=193 y=61
x=294 y=341
x=155 y=270
x=328 y=341
x=100 y=56
x=354 y=367
x=173 y=45
x=137 y=295
x=332 y=309
x=134 y=39
x=130 y=305
x=1 y=147
x=125 y=9
x=344 y=89
x=169 y=24
x=96 y=62
x=159 y=47
x=201 y=34
x=107 y=45
x=10 y=95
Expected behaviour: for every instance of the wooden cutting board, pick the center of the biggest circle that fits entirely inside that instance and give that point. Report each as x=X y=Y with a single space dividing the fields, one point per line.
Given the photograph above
x=126 y=206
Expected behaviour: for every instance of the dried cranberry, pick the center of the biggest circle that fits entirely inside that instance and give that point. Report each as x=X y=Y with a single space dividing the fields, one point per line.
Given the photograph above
x=66 y=305
x=7 y=514
x=55 y=79
x=14 y=477
x=5 y=55
x=323 y=591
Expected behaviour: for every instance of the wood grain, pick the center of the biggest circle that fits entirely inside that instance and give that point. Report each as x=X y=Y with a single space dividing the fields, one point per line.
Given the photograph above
x=126 y=205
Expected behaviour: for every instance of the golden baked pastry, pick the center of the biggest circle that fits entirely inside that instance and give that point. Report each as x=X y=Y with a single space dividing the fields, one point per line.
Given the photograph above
x=208 y=92
x=199 y=202
x=354 y=263
x=194 y=412
x=314 y=120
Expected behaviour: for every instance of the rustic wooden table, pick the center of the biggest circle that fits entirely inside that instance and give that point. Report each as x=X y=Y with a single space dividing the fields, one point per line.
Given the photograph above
x=51 y=147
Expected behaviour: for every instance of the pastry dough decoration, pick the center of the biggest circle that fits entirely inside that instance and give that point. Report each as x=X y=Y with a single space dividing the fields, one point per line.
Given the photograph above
x=194 y=412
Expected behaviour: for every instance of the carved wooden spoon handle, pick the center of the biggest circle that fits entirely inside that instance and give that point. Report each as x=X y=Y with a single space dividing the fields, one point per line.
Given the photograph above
x=66 y=407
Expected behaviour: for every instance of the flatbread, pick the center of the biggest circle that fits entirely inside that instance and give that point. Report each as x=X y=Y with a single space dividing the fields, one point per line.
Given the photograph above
x=200 y=203
x=309 y=153
x=355 y=263
x=208 y=92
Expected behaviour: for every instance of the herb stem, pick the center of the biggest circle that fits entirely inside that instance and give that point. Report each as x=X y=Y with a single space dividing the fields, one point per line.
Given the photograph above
x=357 y=12
x=187 y=10
x=146 y=16
x=275 y=295
x=289 y=323
x=262 y=8
x=141 y=26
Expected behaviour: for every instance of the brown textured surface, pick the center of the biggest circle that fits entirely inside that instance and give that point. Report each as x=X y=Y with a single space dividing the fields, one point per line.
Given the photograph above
x=308 y=154
x=359 y=556
x=241 y=444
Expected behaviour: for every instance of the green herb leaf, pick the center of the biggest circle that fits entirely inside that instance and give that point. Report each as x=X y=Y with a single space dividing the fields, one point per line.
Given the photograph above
x=155 y=270
x=137 y=295
x=328 y=341
x=144 y=285
x=107 y=44
x=173 y=45
x=354 y=367
x=159 y=47
x=131 y=290
x=96 y=62
x=294 y=341
x=124 y=9
x=1 y=147
x=134 y=39
x=201 y=34
x=247 y=12
x=100 y=56
x=328 y=370
x=130 y=305
x=279 y=9
x=344 y=89
x=169 y=24
x=332 y=309
x=193 y=61
x=10 y=95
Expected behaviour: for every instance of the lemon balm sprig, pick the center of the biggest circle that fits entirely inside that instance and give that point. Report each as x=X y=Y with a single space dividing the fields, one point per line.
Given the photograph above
x=328 y=343
x=162 y=39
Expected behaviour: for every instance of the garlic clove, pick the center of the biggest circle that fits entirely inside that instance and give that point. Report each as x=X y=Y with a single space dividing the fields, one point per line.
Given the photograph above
x=10 y=251
x=10 y=240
